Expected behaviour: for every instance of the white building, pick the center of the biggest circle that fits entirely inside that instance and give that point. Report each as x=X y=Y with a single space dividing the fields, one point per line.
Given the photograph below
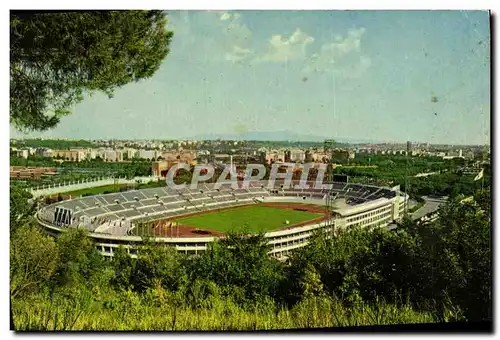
x=111 y=155
x=47 y=153
x=22 y=153
x=131 y=153
x=297 y=155
x=146 y=154
x=91 y=154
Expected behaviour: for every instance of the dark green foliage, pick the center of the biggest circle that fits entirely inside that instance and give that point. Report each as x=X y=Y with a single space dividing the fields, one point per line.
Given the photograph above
x=56 y=58
x=123 y=267
x=463 y=251
x=311 y=282
x=199 y=293
x=240 y=264
x=21 y=209
x=391 y=170
x=33 y=260
x=158 y=266
x=433 y=265
x=58 y=144
x=80 y=261
x=441 y=269
x=86 y=169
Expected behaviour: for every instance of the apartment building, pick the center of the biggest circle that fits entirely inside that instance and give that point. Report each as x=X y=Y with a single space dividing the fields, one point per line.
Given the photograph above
x=112 y=155
x=146 y=154
x=70 y=155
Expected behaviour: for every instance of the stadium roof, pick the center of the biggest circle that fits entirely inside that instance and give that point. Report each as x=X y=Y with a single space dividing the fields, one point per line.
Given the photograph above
x=352 y=210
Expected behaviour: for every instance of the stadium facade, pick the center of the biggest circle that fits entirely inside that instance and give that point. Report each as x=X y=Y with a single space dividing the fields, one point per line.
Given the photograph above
x=112 y=220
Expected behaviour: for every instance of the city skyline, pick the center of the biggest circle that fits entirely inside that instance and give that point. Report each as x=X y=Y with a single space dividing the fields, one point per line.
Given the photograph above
x=395 y=76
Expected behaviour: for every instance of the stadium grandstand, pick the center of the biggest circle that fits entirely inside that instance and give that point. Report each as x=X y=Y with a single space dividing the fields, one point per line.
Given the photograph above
x=123 y=219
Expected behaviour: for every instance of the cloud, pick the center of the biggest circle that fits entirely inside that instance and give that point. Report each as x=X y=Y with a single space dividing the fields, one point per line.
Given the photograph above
x=237 y=38
x=236 y=32
x=224 y=37
x=225 y=16
x=238 y=54
x=281 y=49
x=221 y=36
x=228 y=16
x=342 y=56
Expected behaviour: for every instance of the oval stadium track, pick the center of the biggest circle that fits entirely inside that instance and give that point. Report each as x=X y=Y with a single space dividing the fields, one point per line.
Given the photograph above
x=121 y=219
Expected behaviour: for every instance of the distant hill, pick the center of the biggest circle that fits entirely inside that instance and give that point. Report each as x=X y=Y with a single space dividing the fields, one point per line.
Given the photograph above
x=276 y=136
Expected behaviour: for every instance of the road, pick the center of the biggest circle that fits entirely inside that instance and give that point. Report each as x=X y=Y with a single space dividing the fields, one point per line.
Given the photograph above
x=431 y=204
x=412 y=203
x=425 y=174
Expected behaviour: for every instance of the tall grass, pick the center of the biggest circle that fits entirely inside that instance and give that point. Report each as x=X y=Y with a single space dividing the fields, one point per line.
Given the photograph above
x=131 y=312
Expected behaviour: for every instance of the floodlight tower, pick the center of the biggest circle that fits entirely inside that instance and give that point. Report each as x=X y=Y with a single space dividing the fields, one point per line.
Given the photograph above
x=407 y=184
x=330 y=199
x=328 y=147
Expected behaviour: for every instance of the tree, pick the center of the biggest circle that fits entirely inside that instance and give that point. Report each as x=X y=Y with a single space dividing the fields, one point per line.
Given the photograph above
x=240 y=263
x=451 y=259
x=56 y=58
x=465 y=230
x=201 y=293
x=158 y=265
x=21 y=210
x=123 y=268
x=81 y=263
x=33 y=259
x=311 y=282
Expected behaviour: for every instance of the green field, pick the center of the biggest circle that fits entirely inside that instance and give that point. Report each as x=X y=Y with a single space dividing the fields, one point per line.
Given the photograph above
x=254 y=218
x=94 y=190
x=111 y=188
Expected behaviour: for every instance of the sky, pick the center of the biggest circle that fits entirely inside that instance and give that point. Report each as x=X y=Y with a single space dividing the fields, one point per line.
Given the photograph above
x=338 y=74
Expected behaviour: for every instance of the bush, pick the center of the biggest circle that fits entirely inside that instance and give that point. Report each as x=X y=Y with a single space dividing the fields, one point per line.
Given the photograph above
x=421 y=272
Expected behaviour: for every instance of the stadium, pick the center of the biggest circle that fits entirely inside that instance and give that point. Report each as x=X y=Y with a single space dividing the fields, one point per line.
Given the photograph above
x=190 y=219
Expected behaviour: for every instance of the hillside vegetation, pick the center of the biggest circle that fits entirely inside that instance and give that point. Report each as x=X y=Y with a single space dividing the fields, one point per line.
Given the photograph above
x=432 y=272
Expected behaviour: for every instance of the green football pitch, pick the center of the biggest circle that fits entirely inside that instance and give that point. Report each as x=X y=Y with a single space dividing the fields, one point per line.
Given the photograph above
x=94 y=190
x=254 y=218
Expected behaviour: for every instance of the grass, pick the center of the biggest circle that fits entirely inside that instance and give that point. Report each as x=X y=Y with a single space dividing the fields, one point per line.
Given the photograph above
x=416 y=207
x=94 y=190
x=255 y=218
x=111 y=188
x=133 y=312
x=358 y=166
